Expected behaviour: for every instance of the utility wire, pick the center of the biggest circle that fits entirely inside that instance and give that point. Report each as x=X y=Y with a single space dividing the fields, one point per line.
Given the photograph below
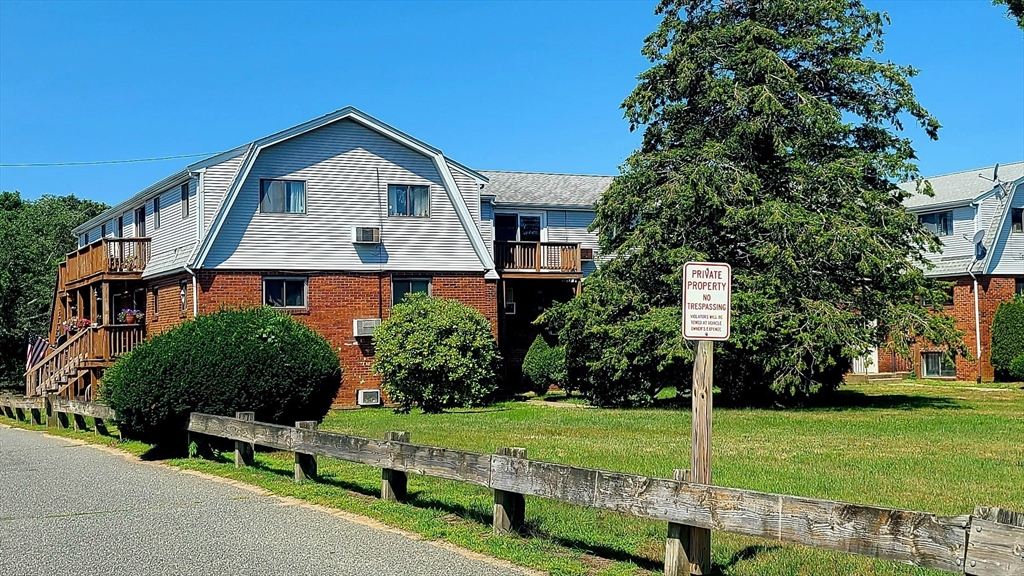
x=93 y=163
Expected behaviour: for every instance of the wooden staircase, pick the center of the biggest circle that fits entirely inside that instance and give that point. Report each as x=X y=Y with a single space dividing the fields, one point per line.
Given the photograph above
x=76 y=365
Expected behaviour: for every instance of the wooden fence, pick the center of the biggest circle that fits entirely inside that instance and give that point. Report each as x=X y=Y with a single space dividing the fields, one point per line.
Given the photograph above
x=988 y=542
x=58 y=411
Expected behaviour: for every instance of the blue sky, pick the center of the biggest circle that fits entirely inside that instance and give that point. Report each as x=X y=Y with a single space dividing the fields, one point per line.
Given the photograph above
x=518 y=86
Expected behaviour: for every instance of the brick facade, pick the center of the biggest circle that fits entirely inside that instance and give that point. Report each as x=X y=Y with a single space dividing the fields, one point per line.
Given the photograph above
x=335 y=299
x=992 y=291
x=163 y=303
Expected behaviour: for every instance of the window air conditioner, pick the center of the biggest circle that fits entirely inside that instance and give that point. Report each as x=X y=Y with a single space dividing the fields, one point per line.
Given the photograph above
x=364 y=327
x=365 y=235
x=368 y=397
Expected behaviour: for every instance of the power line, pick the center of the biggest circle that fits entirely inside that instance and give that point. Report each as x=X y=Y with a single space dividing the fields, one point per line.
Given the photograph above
x=96 y=162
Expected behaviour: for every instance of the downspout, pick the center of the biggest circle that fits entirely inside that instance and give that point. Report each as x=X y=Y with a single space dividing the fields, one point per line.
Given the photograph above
x=977 y=318
x=200 y=185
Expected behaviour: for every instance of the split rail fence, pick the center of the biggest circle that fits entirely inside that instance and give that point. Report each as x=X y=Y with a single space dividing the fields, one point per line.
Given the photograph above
x=58 y=411
x=988 y=542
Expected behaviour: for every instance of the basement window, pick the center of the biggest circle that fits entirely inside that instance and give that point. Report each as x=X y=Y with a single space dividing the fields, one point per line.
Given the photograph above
x=938 y=223
x=285 y=292
x=936 y=365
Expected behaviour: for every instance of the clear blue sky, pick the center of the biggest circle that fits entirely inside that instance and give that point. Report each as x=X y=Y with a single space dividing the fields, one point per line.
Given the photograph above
x=516 y=86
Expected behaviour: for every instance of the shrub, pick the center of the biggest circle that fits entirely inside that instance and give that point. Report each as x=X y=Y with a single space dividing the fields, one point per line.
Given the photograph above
x=435 y=353
x=1016 y=371
x=1007 y=336
x=544 y=365
x=618 y=349
x=253 y=359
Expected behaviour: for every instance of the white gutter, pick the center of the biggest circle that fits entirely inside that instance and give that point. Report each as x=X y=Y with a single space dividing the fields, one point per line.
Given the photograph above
x=977 y=318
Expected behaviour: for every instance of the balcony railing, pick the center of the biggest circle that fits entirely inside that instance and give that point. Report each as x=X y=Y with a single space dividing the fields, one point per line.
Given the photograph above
x=95 y=346
x=538 y=257
x=127 y=256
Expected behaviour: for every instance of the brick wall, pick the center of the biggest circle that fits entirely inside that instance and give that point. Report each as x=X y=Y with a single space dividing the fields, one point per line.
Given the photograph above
x=335 y=300
x=992 y=291
x=163 y=303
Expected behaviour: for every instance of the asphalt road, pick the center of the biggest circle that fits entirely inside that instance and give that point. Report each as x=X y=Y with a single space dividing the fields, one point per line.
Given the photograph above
x=72 y=509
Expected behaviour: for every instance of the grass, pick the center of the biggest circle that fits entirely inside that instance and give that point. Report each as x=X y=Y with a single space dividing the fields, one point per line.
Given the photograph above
x=941 y=448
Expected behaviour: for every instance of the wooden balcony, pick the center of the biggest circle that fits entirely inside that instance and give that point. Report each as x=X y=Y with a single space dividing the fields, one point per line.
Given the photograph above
x=534 y=259
x=108 y=259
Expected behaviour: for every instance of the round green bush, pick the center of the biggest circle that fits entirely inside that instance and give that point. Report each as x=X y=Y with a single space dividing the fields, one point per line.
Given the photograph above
x=233 y=360
x=1007 y=336
x=435 y=353
x=1016 y=370
x=544 y=365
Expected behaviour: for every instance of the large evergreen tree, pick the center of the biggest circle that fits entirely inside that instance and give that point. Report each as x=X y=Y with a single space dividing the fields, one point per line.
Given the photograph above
x=771 y=142
x=35 y=236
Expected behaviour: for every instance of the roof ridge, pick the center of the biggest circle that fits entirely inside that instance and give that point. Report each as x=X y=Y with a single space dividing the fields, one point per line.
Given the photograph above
x=1001 y=165
x=550 y=173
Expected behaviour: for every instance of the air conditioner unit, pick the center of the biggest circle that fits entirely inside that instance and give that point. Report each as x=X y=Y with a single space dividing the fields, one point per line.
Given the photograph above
x=510 y=308
x=365 y=235
x=364 y=327
x=586 y=254
x=368 y=397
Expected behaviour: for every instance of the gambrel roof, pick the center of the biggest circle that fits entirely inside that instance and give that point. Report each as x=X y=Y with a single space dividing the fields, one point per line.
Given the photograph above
x=252 y=151
x=960 y=188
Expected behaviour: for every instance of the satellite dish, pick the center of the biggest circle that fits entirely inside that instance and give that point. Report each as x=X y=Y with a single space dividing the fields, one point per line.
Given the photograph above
x=979 y=236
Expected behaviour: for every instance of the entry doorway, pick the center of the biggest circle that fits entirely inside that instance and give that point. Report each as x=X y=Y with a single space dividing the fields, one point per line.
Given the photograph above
x=520 y=227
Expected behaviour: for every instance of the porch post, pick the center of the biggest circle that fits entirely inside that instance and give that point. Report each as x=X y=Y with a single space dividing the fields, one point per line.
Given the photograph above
x=106 y=318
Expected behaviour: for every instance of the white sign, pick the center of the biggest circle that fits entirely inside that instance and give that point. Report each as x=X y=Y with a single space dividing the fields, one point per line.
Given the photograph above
x=707 y=300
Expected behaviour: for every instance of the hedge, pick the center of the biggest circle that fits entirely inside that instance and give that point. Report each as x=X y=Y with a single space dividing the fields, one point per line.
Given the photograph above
x=1007 y=337
x=544 y=365
x=233 y=360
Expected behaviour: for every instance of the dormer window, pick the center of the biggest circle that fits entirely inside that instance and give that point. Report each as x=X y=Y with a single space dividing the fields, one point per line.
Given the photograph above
x=938 y=223
x=1017 y=220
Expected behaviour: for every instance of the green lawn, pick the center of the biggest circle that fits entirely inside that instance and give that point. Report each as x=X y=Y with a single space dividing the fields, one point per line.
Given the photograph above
x=939 y=448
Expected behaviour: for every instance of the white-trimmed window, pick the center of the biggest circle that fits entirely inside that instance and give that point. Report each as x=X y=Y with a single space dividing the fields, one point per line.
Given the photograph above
x=408 y=200
x=156 y=213
x=939 y=223
x=1017 y=220
x=402 y=286
x=184 y=200
x=285 y=292
x=282 y=196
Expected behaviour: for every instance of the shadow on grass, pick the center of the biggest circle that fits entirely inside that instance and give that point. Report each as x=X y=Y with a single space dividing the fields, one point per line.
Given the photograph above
x=855 y=400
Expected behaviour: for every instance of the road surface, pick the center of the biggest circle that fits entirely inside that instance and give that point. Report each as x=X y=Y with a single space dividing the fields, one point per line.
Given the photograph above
x=67 y=508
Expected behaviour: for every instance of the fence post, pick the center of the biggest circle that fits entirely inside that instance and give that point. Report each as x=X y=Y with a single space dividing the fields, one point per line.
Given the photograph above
x=509 y=507
x=48 y=405
x=394 y=484
x=35 y=413
x=305 y=464
x=244 y=450
x=677 y=563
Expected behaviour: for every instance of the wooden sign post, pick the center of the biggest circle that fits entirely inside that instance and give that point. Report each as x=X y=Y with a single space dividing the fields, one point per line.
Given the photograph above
x=707 y=303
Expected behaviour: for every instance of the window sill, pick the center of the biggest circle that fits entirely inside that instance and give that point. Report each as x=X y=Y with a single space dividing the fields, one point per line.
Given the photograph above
x=293 y=311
